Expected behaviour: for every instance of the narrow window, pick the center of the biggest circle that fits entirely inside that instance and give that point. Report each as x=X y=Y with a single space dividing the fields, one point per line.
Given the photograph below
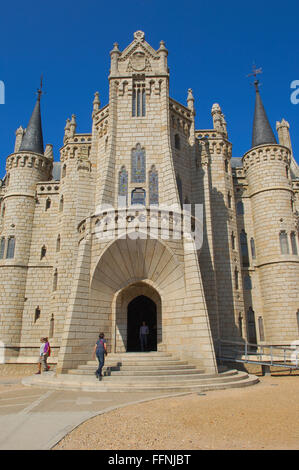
x=138 y=165
x=153 y=187
x=251 y=326
x=229 y=200
x=51 y=330
x=252 y=246
x=48 y=203
x=261 y=328
x=10 y=248
x=43 y=252
x=297 y=315
x=3 y=210
x=226 y=166
x=123 y=186
x=63 y=171
x=58 y=243
x=55 y=280
x=236 y=279
x=177 y=142
x=244 y=249
x=240 y=322
x=36 y=314
x=138 y=100
x=2 y=247
x=287 y=172
x=284 y=245
x=294 y=243
x=61 y=204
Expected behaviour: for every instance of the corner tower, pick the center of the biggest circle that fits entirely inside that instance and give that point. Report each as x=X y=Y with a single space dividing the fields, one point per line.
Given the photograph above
x=267 y=169
x=24 y=168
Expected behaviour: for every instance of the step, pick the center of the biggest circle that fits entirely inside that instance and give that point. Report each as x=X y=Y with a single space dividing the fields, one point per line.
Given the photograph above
x=142 y=367
x=61 y=384
x=132 y=372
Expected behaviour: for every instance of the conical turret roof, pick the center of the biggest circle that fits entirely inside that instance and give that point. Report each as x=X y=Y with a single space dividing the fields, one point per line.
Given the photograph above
x=33 y=137
x=262 y=132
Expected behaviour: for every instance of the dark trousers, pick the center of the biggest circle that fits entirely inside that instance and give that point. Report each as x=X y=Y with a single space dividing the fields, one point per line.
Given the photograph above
x=143 y=342
x=101 y=359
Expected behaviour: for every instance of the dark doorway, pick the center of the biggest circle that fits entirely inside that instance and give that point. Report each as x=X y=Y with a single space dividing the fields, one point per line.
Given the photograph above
x=141 y=309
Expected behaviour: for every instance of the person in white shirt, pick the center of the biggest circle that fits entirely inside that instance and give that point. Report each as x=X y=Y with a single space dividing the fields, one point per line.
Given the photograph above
x=143 y=336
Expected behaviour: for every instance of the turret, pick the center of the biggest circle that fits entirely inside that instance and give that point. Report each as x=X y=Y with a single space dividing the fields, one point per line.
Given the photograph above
x=24 y=168
x=266 y=168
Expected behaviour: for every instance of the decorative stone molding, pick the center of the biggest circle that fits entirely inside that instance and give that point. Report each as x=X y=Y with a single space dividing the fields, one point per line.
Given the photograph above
x=32 y=160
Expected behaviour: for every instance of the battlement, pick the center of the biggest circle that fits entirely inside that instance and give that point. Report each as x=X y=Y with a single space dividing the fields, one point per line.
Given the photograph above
x=29 y=160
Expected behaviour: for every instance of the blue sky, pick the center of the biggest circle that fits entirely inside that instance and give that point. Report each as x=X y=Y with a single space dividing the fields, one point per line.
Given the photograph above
x=212 y=47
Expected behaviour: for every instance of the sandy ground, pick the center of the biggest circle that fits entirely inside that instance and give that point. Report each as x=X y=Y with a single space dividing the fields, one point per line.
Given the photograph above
x=264 y=416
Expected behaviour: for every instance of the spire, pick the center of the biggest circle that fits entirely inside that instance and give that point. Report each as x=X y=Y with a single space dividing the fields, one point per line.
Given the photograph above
x=262 y=132
x=33 y=138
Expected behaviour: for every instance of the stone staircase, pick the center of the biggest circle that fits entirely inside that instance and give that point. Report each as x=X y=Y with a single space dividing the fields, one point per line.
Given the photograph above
x=140 y=372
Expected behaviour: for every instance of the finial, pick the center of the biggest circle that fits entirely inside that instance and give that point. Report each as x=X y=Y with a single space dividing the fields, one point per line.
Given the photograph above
x=40 y=89
x=255 y=72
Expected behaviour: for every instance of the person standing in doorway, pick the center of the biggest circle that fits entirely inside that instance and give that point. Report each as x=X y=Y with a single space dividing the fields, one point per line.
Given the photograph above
x=143 y=336
x=100 y=350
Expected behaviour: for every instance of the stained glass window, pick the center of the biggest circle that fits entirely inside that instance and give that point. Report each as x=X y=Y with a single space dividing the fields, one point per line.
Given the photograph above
x=153 y=186
x=138 y=165
x=123 y=183
x=138 y=196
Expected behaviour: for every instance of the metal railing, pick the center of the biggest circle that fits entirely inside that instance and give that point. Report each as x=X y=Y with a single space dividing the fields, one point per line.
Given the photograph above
x=269 y=355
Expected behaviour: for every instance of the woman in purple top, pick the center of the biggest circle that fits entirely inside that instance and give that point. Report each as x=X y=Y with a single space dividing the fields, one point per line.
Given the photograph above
x=100 y=350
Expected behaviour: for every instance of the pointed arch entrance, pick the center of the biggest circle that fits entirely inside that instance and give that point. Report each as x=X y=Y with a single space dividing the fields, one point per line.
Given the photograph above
x=134 y=304
x=141 y=310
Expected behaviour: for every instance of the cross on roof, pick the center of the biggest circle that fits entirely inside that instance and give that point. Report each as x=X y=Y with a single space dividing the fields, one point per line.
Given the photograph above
x=255 y=72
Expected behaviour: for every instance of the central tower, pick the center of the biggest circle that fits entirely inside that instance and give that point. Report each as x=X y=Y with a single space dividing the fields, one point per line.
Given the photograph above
x=135 y=137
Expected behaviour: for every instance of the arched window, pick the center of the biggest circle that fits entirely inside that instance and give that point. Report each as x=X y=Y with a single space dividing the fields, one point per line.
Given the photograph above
x=58 y=243
x=180 y=188
x=244 y=249
x=294 y=243
x=55 y=280
x=2 y=247
x=252 y=246
x=153 y=187
x=48 y=204
x=43 y=252
x=284 y=244
x=240 y=208
x=138 y=99
x=61 y=204
x=11 y=248
x=247 y=283
x=226 y=165
x=123 y=186
x=138 y=196
x=63 y=173
x=177 y=142
x=138 y=165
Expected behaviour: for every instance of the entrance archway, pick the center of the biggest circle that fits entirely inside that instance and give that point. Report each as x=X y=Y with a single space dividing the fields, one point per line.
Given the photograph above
x=141 y=309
